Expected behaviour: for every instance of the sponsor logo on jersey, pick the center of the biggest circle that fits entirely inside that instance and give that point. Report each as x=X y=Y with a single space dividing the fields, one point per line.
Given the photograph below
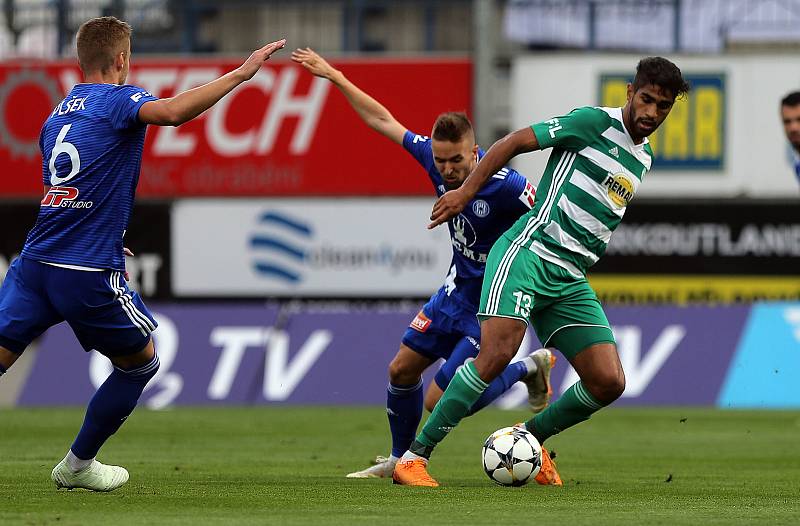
x=619 y=188
x=420 y=323
x=480 y=208
x=614 y=151
x=463 y=237
x=553 y=125
x=64 y=197
x=136 y=97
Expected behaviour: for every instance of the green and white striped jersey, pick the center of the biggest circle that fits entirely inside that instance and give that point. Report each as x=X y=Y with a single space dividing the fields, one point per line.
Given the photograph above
x=592 y=174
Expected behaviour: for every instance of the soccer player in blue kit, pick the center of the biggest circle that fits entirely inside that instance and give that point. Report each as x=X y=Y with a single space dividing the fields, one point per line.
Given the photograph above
x=447 y=326
x=72 y=264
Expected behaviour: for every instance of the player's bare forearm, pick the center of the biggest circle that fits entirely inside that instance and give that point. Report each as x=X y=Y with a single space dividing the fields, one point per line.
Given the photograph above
x=187 y=105
x=453 y=202
x=500 y=153
x=372 y=112
x=191 y=103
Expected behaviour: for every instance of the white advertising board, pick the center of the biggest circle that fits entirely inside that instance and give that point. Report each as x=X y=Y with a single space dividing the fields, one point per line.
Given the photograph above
x=725 y=140
x=307 y=248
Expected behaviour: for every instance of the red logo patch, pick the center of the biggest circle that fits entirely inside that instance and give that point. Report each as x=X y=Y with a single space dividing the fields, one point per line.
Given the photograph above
x=420 y=322
x=58 y=194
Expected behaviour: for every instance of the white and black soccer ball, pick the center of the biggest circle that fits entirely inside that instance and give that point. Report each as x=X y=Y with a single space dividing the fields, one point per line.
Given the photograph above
x=511 y=456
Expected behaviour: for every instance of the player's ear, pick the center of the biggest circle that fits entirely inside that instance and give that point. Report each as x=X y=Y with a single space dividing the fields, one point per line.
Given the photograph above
x=475 y=152
x=630 y=91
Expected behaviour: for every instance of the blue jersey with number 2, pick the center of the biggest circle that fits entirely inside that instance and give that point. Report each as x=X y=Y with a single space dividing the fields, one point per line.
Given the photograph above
x=91 y=146
x=502 y=200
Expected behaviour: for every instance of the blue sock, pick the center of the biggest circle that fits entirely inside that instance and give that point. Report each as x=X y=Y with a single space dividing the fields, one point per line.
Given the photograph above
x=465 y=349
x=404 y=408
x=110 y=406
x=511 y=375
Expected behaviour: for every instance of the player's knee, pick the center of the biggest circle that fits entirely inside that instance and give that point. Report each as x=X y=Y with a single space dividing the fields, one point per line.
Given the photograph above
x=400 y=374
x=144 y=373
x=495 y=357
x=607 y=386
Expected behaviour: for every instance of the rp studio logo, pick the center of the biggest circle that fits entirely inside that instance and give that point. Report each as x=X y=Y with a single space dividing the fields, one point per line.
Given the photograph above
x=278 y=246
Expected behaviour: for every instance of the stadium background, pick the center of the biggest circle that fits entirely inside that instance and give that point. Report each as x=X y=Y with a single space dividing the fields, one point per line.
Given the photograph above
x=282 y=244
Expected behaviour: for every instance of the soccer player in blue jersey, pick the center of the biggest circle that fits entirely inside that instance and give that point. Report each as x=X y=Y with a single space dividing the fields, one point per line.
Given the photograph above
x=72 y=264
x=447 y=326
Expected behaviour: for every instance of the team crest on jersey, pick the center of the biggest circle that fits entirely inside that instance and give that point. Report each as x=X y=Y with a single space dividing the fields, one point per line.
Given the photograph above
x=421 y=322
x=620 y=189
x=480 y=208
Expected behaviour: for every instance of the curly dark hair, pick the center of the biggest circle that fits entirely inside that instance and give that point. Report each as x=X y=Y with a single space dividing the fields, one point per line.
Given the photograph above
x=662 y=73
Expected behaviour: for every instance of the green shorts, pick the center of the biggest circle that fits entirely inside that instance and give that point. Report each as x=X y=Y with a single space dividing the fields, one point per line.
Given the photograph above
x=563 y=310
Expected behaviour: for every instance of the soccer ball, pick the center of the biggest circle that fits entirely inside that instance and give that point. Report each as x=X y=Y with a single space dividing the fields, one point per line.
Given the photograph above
x=511 y=456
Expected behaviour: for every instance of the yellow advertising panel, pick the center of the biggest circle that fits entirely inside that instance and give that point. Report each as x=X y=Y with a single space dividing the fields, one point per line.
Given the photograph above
x=683 y=290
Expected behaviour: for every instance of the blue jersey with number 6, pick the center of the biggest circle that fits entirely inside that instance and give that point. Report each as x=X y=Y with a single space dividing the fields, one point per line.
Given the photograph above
x=91 y=147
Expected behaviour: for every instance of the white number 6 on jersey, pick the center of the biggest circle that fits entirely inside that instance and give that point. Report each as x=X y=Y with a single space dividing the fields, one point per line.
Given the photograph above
x=60 y=147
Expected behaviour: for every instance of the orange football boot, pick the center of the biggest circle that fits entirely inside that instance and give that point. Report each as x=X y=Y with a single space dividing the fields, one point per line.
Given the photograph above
x=413 y=473
x=548 y=476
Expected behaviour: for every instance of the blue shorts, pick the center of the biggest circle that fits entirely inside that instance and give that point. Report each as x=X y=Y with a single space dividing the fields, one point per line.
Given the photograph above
x=104 y=313
x=444 y=328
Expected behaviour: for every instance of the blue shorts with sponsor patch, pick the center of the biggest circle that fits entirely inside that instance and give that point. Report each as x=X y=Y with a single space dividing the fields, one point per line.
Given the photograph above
x=444 y=328
x=103 y=312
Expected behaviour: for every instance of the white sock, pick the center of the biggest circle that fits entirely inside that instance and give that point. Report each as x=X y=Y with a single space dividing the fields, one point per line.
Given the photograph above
x=76 y=464
x=530 y=365
x=393 y=459
x=408 y=455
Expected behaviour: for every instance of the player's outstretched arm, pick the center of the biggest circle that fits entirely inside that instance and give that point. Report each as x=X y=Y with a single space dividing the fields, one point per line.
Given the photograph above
x=372 y=112
x=185 y=106
x=454 y=201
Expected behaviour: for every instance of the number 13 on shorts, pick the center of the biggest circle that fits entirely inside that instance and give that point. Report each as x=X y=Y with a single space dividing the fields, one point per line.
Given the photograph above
x=523 y=304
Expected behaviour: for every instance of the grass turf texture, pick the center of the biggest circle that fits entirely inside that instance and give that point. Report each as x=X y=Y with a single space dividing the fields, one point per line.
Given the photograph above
x=283 y=465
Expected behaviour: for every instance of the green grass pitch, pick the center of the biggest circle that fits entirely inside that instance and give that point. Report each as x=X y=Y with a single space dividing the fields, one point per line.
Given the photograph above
x=286 y=465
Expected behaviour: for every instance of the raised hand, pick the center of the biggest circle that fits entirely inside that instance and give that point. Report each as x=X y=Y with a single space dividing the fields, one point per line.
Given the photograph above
x=314 y=63
x=258 y=57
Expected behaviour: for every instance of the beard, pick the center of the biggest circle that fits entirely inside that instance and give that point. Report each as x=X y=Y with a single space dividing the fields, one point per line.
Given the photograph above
x=454 y=185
